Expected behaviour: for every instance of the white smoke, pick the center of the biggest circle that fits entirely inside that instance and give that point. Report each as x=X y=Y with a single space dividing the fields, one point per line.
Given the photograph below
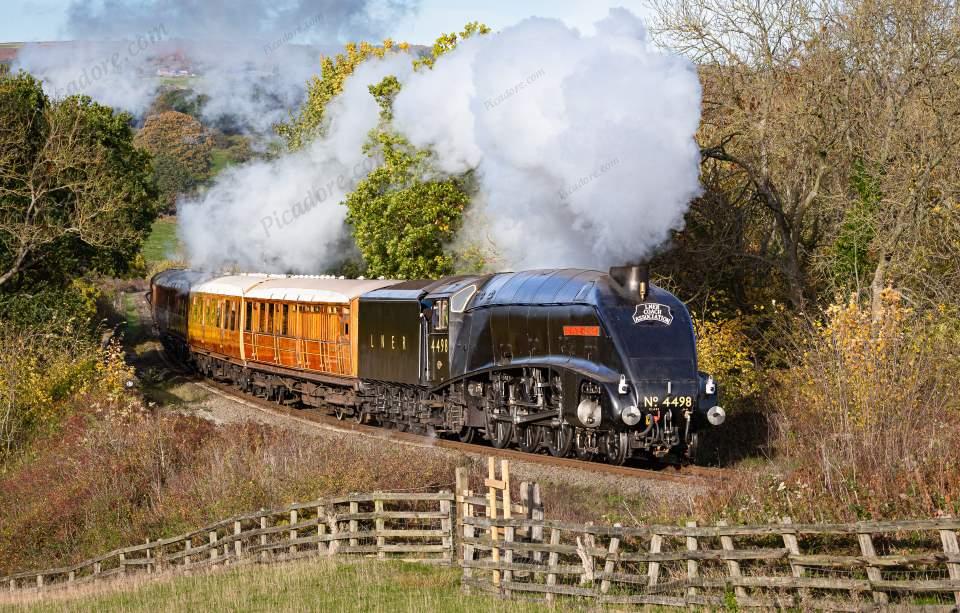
x=238 y=50
x=583 y=145
x=285 y=215
x=113 y=73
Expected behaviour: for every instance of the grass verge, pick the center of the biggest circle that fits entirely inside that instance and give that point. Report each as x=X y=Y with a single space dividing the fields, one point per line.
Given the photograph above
x=162 y=244
x=314 y=585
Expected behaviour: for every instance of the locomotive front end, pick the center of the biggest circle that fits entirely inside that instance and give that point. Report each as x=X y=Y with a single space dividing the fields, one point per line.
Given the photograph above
x=661 y=399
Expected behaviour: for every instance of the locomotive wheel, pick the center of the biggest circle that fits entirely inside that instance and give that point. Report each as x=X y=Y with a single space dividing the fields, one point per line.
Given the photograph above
x=617 y=447
x=467 y=434
x=338 y=413
x=360 y=416
x=528 y=438
x=501 y=433
x=580 y=446
x=559 y=441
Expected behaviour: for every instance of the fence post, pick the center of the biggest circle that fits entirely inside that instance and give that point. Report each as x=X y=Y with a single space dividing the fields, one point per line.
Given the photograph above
x=609 y=565
x=653 y=568
x=693 y=567
x=237 y=545
x=72 y=576
x=492 y=514
x=950 y=546
x=354 y=509
x=149 y=557
x=188 y=545
x=536 y=514
x=446 y=525
x=263 y=538
x=873 y=572
x=733 y=567
x=379 y=524
x=321 y=527
x=123 y=567
x=468 y=533
x=39 y=581
x=508 y=531
x=13 y=585
x=552 y=561
x=793 y=547
x=293 y=531
x=213 y=544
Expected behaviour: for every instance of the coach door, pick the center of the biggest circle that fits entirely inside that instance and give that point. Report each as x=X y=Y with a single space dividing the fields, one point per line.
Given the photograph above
x=438 y=342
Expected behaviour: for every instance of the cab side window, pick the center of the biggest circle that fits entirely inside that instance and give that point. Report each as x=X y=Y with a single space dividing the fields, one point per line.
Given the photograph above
x=441 y=315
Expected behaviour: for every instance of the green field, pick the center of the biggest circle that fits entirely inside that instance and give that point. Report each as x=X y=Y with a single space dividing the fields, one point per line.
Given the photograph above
x=219 y=159
x=315 y=585
x=162 y=244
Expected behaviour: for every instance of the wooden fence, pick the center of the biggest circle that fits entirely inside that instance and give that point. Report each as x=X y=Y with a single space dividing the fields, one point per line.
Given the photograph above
x=846 y=567
x=407 y=526
x=506 y=546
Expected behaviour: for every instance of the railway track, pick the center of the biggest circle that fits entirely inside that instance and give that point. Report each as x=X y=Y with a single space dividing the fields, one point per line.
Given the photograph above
x=691 y=475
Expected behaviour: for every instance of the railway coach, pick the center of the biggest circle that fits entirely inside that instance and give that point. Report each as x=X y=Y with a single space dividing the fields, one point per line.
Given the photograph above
x=568 y=361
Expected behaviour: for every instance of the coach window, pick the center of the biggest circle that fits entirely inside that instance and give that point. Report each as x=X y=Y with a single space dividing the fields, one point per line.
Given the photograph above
x=209 y=312
x=441 y=315
x=285 y=320
x=247 y=325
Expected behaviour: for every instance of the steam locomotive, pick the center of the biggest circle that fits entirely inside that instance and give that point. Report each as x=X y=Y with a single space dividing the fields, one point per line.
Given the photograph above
x=573 y=362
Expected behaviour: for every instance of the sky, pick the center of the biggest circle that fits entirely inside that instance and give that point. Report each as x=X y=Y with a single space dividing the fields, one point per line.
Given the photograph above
x=37 y=20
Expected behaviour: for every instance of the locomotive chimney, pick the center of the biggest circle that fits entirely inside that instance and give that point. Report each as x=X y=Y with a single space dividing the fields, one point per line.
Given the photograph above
x=631 y=281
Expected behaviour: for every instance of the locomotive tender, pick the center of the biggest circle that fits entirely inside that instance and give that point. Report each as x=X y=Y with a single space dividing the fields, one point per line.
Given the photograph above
x=572 y=361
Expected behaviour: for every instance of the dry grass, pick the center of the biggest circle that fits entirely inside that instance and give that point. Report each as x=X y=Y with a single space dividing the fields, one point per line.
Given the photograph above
x=315 y=585
x=118 y=475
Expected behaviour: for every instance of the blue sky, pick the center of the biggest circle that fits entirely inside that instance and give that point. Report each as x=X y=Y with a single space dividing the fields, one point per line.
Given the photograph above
x=33 y=20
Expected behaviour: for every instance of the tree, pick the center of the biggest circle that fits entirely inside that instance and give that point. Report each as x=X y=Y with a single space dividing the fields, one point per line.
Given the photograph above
x=75 y=194
x=829 y=143
x=181 y=150
x=402 y=222
x=405 y=215
x=308 y=124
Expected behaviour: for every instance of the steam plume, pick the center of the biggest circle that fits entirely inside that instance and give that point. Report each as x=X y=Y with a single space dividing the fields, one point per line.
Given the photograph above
x=237 y=46
x=284 y=215
x=583 y=144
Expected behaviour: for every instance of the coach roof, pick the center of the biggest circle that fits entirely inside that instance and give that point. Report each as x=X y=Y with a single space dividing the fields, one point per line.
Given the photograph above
x=315 y=289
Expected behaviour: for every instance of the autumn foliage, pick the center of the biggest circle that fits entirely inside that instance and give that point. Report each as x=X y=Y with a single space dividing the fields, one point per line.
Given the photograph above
x=865 y=419
x=181 y=150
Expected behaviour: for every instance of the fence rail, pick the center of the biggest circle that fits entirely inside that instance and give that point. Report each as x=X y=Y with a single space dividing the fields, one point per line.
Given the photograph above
x=409 y=526
x=824 y=566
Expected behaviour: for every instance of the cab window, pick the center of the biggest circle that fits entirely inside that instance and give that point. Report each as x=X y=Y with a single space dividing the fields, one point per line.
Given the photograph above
x=441 y=314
